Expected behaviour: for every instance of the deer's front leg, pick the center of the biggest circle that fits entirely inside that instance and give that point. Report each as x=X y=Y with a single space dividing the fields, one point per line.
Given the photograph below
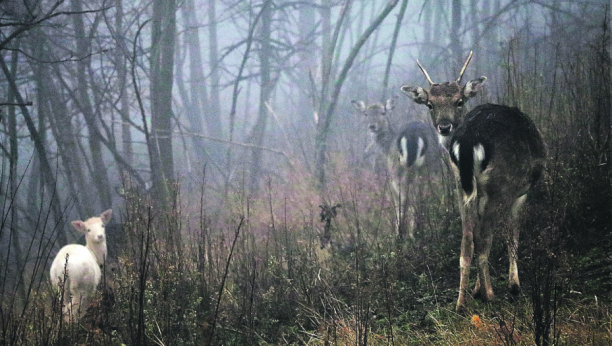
x=401 y=207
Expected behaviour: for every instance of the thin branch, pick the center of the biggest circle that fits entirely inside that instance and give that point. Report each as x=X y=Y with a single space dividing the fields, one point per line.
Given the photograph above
x=398 y=25
x=246 y=145
x=227 y=264
x=26 y=104
x=236 y=91
x=27 y=26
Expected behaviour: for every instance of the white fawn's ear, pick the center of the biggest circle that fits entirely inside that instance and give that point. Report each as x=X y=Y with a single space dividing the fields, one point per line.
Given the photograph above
x=79 y=226
x=473 y=87
x=106 y=216
x=417 y=94
x=389 y=105
x=359 y=105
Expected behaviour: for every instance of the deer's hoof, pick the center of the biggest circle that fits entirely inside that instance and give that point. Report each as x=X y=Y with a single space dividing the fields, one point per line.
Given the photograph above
x=514 y=289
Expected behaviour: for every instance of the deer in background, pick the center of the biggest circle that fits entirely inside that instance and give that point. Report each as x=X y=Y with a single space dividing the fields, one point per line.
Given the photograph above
x=497 y=155
x=405 y=153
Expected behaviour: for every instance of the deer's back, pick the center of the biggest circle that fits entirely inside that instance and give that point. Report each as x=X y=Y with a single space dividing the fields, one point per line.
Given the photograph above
x=499 y=146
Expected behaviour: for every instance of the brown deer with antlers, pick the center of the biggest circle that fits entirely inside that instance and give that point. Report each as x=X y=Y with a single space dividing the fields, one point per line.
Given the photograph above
x=497 y=155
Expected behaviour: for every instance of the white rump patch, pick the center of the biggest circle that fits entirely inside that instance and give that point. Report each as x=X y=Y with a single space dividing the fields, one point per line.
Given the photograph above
x=404 y=153
x=479 y=154
x=456 y=151
x=517 y=205
x=420 y=155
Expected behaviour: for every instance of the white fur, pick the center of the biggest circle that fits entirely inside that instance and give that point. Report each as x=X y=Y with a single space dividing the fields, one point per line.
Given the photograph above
x=443 y=140
x=479 y=156
x=456 y=151
x=420 y=157
x=404 y=153
x=82 y=263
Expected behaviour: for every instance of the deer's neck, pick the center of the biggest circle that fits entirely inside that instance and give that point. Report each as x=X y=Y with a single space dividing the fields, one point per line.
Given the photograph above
x=384 y=140
x=98 y=250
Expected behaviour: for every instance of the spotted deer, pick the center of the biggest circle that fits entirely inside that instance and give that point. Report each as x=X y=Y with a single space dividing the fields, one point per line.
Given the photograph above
x=406 y=154
x=497 y=155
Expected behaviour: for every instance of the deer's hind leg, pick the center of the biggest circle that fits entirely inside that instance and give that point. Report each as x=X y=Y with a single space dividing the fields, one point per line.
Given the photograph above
x=514 y=285
x=469 y=223
x=484 y=229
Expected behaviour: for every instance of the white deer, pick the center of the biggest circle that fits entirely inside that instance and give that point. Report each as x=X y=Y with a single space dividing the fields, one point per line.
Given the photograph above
x=407 y=153
x=497 y=155
x=77 y=267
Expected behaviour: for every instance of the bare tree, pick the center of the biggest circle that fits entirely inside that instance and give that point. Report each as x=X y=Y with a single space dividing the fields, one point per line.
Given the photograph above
x=266 y=86
x=14 y=234
x=197 y=97
x=46 y=171
x=214 y=118
x=161 y=74
x=121 y=64
x=328 y=103
x=455 y=33
x=307 y=63
x=99 y=172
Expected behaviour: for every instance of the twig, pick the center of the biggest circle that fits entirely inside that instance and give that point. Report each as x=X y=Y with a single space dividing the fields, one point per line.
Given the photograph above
x=227 y=264
x=28 y=103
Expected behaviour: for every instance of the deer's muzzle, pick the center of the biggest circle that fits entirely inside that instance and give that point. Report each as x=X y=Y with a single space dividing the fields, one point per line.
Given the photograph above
x=445 y=129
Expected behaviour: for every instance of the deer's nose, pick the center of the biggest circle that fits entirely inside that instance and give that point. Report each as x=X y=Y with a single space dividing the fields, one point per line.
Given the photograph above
x=372 y=127
x=445 y=129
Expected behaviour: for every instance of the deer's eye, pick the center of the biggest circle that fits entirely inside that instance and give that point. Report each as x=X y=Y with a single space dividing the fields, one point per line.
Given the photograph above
x=460 y=103
x=429 y=105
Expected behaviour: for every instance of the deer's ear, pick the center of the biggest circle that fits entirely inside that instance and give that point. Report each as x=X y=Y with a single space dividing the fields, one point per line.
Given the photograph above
x=417 y=94
x=106 y=216
x=473 y=87
x=79 y=226
x=359 y=105
x=389 y=105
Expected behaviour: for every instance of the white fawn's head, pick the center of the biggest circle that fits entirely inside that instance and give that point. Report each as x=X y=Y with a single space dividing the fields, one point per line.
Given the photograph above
x=93 y=228
x=446 y=101
x=377 y=115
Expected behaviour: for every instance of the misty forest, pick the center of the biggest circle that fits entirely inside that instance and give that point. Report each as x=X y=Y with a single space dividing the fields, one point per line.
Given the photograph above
x=271 y=172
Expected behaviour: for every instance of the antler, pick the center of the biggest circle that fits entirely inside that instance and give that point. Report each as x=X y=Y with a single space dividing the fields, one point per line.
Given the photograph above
x=425 y=72
x=467 y=62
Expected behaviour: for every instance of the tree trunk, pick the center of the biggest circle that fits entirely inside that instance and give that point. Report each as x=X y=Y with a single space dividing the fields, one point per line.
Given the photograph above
x=52 y=104
x=14 y=181
x=455 y=39
x=46 y=171
x=214 y=118
x=162 y=69
x=197 y=97
x=307 y=62
x=427 y=30
x=478 y=54
x=99 y=173
x=438 y=31
x=487 y=39
x=121 y=63
x=36 y=180
x=266 y=86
